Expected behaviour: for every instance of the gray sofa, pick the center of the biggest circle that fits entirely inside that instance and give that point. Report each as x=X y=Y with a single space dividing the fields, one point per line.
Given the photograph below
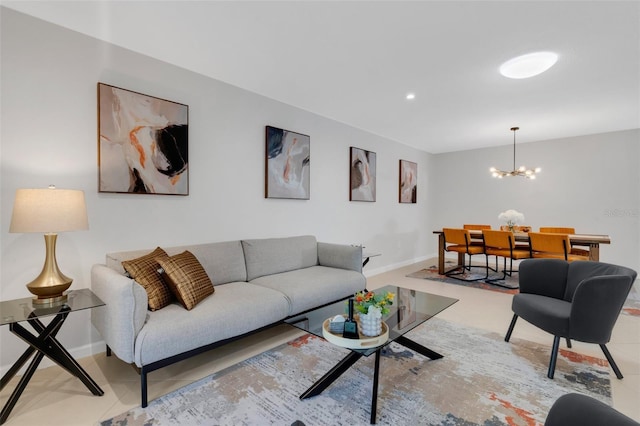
x=258 y=283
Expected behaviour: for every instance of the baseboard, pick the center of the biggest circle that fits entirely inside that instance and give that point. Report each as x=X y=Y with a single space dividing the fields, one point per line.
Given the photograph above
x=387 y=268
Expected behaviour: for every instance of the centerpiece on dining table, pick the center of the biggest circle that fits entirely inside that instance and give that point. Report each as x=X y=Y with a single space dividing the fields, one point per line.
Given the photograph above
x=512 y=218
x=371 y=307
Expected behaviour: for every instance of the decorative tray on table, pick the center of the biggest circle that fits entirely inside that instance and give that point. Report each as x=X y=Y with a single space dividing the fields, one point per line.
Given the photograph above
x=364 y=342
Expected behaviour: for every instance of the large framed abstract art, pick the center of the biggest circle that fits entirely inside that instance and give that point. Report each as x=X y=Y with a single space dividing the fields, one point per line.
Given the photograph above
x=362 y=175
x=143 y=143
x=408 y=182
x=287 y=163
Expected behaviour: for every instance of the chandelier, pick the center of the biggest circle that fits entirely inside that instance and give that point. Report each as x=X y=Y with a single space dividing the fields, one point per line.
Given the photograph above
x=521 y=171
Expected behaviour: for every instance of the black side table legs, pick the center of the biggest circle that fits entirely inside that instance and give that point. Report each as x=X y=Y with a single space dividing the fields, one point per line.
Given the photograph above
x=42 y=344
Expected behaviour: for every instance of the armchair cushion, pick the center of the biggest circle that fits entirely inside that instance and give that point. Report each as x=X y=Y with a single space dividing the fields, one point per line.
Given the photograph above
x=551 y=315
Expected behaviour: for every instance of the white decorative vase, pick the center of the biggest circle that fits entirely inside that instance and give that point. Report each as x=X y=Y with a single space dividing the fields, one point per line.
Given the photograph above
x=371 y=323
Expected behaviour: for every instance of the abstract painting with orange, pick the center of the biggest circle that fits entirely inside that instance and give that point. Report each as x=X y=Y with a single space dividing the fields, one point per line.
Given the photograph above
x=142 y=143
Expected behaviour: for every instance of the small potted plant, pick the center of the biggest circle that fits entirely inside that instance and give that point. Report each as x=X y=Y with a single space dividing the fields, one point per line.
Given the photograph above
x=371 y=307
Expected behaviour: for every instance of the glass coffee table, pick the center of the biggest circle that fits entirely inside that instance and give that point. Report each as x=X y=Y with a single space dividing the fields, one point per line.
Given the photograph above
x=410 y=309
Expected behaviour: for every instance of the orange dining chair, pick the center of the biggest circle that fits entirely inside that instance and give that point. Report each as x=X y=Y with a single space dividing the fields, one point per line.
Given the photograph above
x=550 y=245
x=476 y=227
x=520 y=229
x=565 y=230
x=459 y=240
x=502 y=244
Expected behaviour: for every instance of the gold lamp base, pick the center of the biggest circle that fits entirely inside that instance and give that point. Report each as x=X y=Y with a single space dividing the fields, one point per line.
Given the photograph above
x=50 y=285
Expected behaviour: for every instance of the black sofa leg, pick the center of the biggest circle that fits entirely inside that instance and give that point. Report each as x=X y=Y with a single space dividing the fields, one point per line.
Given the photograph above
x=143 y=388
x=108 y=351
x=613 y=364
x=513 y=324
x=554 y=356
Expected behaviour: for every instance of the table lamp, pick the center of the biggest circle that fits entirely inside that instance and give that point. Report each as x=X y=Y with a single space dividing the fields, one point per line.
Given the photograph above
x=50 y=211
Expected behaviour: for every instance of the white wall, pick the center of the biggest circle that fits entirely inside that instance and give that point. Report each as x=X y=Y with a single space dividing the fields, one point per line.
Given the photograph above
x=49 y=136
x=591 y=183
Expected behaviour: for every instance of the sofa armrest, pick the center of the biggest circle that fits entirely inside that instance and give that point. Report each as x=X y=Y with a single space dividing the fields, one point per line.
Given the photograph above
x=340 y=256
x=124 y=313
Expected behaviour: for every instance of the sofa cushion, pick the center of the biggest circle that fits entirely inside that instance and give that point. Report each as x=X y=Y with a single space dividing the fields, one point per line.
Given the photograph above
x=312 y=287
x=274 y=255
x=186 y=278
x=235 y=309
x=144 y=270
x=223 y=262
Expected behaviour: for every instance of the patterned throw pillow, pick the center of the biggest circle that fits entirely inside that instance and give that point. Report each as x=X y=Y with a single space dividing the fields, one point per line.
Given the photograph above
x=186 y=278
x=145 y=271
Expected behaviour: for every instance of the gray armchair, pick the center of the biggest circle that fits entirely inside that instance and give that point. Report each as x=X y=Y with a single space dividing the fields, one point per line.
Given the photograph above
x=574 y=409
x=576 y=301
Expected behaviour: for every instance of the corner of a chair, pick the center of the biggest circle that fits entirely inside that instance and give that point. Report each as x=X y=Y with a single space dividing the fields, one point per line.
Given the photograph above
x=574 y=409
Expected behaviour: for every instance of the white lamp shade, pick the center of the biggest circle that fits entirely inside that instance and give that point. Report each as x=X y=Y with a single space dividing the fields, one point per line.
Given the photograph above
x=49 y=210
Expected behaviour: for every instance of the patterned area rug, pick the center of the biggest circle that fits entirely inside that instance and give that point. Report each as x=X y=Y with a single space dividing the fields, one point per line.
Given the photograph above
x=481 y=380
x=508 y=285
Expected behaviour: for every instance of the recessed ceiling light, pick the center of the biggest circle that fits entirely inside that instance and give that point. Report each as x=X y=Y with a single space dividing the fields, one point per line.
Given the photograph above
x=411 y=96
x=529 y=65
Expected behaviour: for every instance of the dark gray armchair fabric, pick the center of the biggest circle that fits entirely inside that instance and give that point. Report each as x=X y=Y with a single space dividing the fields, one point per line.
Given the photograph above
x=576 y=301
x=580 y=410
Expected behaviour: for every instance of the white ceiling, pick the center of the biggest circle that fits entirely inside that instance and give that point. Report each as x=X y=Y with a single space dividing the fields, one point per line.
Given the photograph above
x=354 y=61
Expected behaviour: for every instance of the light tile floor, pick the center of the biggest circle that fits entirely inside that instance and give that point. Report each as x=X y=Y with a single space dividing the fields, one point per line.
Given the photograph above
x=53 y=397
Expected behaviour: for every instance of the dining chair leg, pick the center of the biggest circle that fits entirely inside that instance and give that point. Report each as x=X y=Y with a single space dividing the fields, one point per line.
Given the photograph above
x=493 y=281
x=612 y=363
x=460 y=270
x=486 y=258
x=510 y=273
x=513 y=324
x=554 y=356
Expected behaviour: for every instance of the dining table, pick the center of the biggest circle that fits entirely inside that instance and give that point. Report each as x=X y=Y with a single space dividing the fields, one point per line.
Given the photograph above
x=590 y=241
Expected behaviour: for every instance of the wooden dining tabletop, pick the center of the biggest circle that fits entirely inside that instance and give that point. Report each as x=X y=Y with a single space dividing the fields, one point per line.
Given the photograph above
x=592 y=241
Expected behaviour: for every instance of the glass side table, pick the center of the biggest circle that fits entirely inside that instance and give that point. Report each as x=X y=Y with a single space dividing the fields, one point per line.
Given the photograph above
x=43 y=342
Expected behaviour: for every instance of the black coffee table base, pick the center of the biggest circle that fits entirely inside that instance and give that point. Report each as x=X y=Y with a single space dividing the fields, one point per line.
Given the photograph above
x=352 y=357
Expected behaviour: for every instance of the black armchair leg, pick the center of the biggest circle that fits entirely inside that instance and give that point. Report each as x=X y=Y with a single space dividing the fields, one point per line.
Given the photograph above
x=513 y=324
x=613 y=364
x=568 y=343
x=554 y=356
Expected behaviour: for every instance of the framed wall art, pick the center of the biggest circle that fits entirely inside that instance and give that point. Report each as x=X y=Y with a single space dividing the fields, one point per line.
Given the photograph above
x=362 y=175
x=287 y=163
x=143 y=143
x=408 y=182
